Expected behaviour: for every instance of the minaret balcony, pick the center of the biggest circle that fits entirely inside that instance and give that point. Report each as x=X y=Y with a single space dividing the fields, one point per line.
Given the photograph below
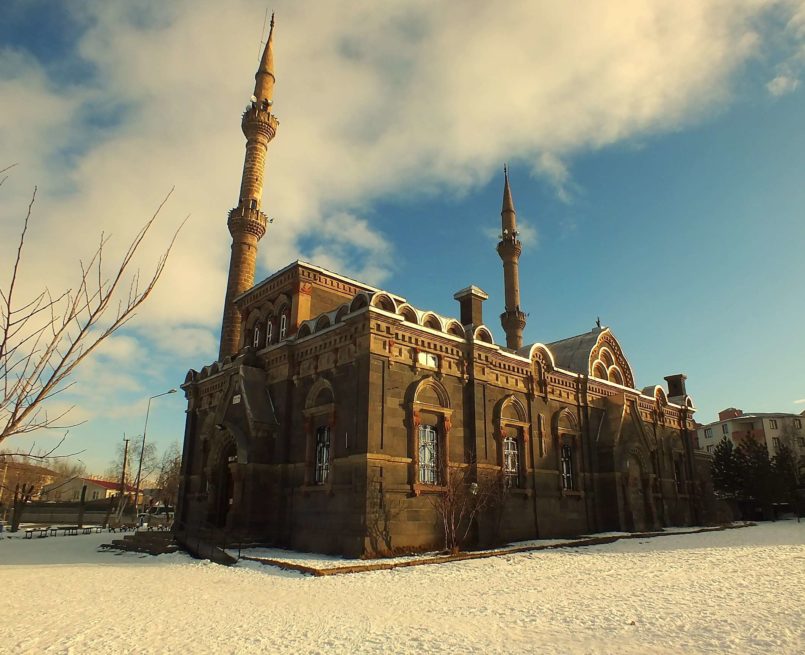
x=246 y=219
x=259 y=121
x=509 y=246
x=513 y=319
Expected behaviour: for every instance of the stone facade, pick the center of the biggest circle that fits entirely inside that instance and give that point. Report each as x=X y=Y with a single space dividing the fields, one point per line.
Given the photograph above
x=336 y=412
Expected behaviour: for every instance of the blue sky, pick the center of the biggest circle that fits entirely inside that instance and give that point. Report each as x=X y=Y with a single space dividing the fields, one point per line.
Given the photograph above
x=656 y=161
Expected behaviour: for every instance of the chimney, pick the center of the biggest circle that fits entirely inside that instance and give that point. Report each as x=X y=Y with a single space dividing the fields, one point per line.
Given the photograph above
x=471 y=300
x=676 y=385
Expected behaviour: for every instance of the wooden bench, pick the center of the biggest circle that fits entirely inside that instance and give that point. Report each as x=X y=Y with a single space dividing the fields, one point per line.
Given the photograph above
x=69 y=529
x=40 y=532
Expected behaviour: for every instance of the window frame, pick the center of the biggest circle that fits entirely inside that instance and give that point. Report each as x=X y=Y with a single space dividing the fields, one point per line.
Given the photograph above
x=511 y=464
x=321 y=464
x=434 y=466
x=567 y=473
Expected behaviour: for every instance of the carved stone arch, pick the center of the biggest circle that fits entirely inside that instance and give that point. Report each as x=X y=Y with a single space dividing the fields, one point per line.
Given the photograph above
x=608 y=345
x=539 y=354
x=606 y=356
x=565 y=421
x=322 y=322
x=254 y=316
x=268 y=308
x=510 y=408
x=430 y=320
x=304 y=330
x=343 y=310
x=321 y=393
x=225 y=433
x=483 y=335
x=456 y=329
x=281 y=302
x=360 y=301
x=660 y=396
x=431 y=392
x=614 y=374
x=408 y=313
x=384 y=301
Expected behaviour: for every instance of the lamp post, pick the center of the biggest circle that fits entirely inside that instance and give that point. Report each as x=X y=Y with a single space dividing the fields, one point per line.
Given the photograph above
x=142 y=448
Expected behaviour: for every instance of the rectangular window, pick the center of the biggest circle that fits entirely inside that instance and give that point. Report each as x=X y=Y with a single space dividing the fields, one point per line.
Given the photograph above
x=94 y=495
x=511 y=462
x=708 y=432
x=775 y=442
x=710 y=449
x=427 y=359
x=322 y=455
x=725 y=428
x=773 y=424
x=801 y=442
x=428 y=455
x=797 y=424
x=568 y=483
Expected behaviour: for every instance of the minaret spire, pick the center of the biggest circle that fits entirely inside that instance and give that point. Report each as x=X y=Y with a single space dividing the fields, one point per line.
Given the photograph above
x=247 y=224
x=509 y=248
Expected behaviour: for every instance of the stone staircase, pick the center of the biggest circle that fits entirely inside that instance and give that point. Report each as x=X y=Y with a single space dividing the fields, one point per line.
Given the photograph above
x=156 y=542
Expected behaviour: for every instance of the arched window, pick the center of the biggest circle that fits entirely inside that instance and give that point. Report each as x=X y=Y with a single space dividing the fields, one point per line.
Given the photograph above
x=511 y=462
x=568 y=477
x=322 y=454
x=283 y=325
x=256 y=335
x=269 y=330
x=429 y=464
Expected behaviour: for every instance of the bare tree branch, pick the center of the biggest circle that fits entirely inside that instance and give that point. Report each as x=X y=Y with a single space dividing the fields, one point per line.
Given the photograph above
x=43 y=340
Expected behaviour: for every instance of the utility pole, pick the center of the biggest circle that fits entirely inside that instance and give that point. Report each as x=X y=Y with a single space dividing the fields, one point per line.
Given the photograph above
x=123 y=477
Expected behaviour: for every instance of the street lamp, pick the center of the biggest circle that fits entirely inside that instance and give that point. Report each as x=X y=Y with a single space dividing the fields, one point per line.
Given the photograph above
x=142 y=449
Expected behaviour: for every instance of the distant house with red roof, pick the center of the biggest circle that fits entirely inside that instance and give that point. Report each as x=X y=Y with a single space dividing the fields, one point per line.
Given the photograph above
x=71 y=489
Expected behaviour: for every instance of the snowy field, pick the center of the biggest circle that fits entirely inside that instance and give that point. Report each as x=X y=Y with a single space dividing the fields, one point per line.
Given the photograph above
x=737 y=591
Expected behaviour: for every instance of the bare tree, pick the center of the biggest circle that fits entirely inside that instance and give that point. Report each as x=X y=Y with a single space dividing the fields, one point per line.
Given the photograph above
x=44 y=339
x=382 y=509
x=169 y=472
x=465 y=495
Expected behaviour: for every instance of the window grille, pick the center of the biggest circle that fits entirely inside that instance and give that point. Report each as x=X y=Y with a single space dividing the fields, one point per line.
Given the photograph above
x=428 y=455
x=322 y=454
x=511 y=462
x=568 y=483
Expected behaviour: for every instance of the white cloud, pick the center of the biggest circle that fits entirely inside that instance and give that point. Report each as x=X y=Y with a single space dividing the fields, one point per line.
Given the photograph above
x=801 y=401
x=782 y=84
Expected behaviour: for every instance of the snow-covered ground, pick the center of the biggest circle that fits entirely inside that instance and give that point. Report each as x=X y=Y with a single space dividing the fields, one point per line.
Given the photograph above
x=737 y=591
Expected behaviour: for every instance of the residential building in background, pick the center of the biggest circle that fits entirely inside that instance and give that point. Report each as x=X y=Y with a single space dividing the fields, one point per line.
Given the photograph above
x=71 y=490
x=772 y=429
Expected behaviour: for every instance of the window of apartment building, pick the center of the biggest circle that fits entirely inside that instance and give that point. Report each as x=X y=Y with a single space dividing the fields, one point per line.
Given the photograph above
x=708 y=433
x=94 y=495
x=801 y=442
x=797 y=424
x=428 y=455
x=710 y=448
x=566 y=461
x=773 y=423
x=322 y=470
x=775 y=441
x=511 y=462
x=725 y=428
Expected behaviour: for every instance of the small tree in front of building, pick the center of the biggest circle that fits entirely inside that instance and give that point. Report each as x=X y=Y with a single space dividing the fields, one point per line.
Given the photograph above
x=726 y=471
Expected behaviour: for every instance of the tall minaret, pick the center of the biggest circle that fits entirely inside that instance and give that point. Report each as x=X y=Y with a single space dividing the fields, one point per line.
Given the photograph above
x=247 y=224
x=509 y=249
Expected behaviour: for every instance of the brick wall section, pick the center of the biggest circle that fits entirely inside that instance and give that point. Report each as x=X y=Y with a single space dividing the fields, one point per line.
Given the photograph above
x=241 y=278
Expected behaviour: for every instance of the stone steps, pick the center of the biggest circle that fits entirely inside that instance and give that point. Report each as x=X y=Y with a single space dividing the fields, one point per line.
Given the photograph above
x=153 y=543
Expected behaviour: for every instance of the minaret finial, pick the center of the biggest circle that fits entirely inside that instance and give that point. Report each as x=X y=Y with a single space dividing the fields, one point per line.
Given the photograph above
x=265 y=77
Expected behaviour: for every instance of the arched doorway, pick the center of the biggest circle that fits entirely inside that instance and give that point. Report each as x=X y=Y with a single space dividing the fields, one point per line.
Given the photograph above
x=224 y=485
x=636 y=495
